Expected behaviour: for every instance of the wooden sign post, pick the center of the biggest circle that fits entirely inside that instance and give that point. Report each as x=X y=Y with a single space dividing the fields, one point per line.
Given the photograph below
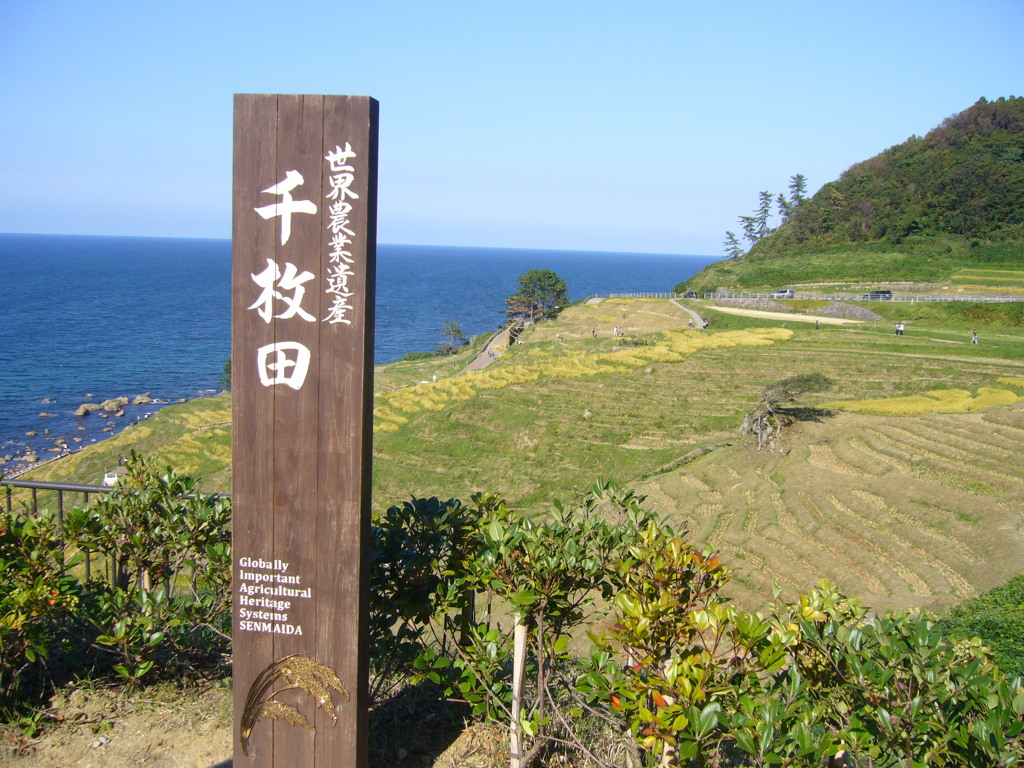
x=303 y=251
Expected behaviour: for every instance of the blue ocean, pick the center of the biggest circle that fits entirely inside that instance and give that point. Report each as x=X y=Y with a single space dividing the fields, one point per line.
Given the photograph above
x=124 y=316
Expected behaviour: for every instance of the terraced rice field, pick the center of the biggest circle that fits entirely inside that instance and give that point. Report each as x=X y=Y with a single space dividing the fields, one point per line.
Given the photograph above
x=900 y=511
x=1010 y=280
x=555 y=414
x=194 y=438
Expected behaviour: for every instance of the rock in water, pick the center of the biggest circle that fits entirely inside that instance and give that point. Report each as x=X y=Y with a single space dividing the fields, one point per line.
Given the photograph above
x=114 y=404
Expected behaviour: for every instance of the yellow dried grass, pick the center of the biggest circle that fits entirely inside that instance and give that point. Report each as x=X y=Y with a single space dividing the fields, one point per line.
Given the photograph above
x=934 y=401
x=434 y=396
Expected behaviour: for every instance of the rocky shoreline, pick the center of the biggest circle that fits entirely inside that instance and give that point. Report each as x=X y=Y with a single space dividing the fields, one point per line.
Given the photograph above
x=93 y=420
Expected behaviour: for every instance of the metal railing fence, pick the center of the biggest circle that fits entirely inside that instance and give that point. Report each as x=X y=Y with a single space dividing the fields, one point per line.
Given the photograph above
x=861 y=297
x=817 y=297
x=649 y=295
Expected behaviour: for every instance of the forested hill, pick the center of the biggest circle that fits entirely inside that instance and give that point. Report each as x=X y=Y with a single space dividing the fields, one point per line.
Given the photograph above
x=966 y=177
x=956 y=194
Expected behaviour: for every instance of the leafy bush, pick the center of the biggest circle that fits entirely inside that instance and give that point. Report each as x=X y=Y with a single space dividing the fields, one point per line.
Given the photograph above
x=697 y=680
x=170 y=568
x=412 y=356
x=418 y=561
x=547 y=572
x=36 y=595
x=680 y=677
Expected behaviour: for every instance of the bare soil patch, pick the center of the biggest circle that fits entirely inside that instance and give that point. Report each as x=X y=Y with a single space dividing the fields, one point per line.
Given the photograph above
x=162 y=727
x=100 y=728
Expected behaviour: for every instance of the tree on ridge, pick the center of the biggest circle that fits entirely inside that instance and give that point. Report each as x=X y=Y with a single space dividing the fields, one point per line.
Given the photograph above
x=542 y=293
x=451 y=331
x=768 y=419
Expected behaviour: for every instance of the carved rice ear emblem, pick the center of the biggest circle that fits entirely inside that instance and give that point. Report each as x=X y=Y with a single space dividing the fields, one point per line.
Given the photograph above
x=295 y=671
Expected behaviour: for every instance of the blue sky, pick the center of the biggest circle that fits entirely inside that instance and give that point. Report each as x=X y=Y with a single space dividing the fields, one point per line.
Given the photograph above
x=647 y=126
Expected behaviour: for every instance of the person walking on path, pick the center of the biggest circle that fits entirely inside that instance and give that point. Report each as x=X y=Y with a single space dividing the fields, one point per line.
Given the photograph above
x=974 y=338
x=695 y=319
x=491 y=353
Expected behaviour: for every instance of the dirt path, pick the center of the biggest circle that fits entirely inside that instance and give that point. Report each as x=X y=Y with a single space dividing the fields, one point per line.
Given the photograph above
x=786 y=316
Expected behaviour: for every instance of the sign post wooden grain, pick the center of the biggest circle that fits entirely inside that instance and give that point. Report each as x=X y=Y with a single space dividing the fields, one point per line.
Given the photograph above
x=303 y=266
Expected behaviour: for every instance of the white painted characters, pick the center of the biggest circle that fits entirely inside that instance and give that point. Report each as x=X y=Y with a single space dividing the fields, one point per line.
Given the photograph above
x=286 y=362
x=283 y=288
x=341 y=178
x=342 y=174
x=289 y=280
x=287 y=206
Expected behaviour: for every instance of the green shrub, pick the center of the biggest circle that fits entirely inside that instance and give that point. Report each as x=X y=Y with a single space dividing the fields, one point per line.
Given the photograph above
x=680 y=677
x=412 y=356
x=418 y=561
x=168 y=595
x=36 y=596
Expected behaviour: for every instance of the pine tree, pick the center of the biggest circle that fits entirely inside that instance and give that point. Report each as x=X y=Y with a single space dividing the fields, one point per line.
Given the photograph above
x=784 y=206
x=764 y=211
x=542 y=293
x=454 y=338
x=797 y=187
x=733 y=249
x=749 y=224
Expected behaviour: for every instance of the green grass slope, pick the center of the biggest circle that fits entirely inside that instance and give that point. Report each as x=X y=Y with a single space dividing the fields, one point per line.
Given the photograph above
x=946 y=264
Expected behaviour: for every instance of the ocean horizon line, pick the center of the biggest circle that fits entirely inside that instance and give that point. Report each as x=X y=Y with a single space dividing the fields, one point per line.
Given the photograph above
x=506 y=248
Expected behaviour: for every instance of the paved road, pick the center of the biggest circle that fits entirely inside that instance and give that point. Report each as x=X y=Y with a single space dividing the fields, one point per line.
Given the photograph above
x=491 y=352
x=698 y=321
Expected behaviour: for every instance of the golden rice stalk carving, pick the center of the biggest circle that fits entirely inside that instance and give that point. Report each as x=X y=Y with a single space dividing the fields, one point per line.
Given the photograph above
x=295 y=671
